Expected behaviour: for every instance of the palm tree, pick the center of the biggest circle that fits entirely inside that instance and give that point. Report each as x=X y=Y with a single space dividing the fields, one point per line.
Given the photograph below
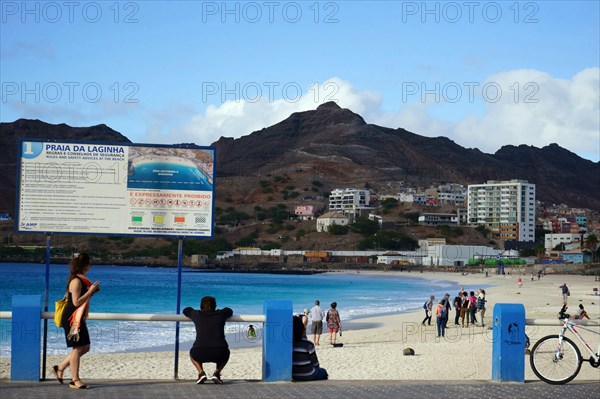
x=591 y=242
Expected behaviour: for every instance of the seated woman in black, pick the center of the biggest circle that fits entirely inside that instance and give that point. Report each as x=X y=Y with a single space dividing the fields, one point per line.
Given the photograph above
x=210 y=344
x=305 y=365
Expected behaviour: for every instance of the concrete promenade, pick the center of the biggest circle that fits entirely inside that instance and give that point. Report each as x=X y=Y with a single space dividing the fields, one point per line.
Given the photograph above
x=239 y=389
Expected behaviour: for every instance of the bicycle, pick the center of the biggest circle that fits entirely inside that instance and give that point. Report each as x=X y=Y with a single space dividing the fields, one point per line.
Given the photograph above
x=556 y=359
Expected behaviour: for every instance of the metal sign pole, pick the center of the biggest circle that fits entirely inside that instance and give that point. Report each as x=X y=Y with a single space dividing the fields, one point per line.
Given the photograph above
x=179 y=266
x=46 y=294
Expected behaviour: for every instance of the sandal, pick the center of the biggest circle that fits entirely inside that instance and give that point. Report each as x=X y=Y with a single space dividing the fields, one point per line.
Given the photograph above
x=83 y=386
x=55 y=371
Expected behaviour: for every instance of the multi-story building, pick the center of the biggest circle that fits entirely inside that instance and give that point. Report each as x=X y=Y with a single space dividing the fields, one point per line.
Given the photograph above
x=350 y=201
x=506 y=208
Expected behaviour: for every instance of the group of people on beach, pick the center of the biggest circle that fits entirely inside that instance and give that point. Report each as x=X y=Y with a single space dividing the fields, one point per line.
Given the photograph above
x=466 y=306
x=317 y=314
x=210 y=345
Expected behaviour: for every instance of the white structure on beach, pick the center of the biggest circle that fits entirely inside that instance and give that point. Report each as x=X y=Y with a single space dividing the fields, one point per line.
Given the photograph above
x=457 y=255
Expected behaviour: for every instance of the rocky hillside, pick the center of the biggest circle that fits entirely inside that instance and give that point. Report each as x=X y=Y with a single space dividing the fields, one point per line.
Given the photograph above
x=337 y=148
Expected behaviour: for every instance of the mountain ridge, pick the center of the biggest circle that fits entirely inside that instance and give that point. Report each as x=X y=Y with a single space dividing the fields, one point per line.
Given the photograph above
x=336 y=146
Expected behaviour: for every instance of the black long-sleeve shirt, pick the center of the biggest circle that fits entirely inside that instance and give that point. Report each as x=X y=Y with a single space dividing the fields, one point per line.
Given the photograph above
x=210 y=326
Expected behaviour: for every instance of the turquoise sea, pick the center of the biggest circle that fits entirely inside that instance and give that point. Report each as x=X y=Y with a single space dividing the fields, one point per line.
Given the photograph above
x=154 y=290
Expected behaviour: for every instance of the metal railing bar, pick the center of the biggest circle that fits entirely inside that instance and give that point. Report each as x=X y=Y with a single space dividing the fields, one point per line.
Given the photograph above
x=148 y=317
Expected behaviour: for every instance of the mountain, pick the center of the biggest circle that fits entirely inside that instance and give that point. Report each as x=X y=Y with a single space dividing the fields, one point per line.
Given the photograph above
x=337 y=148
x=11 y=133
x=340 y=149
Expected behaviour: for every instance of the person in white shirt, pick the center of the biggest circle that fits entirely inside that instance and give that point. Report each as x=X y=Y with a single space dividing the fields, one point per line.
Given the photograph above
x=316 y=314
x=581 y=313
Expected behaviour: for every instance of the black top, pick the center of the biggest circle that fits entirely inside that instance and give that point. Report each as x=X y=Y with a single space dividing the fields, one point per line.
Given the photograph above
x=71 y=308
x=457 y=302
x=210 y=326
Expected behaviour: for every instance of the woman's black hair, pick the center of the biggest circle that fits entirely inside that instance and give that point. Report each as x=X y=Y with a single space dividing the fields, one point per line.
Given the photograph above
x=298 y=329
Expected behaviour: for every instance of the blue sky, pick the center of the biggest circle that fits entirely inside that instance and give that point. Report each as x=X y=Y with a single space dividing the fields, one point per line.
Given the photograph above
x=484 y=74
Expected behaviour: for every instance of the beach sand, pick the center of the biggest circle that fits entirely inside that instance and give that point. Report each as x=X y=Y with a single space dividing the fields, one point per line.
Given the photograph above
x=373 y=346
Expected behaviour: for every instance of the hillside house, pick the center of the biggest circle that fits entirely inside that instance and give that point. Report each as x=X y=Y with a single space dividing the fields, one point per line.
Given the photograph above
x=331 y=218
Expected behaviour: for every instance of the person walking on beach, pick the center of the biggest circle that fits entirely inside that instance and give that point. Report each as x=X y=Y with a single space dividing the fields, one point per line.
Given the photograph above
x=472 y=307
x=316 y=328
x=334 y=324
x=446 y=302
x=565 y=293
x=79 y=291
x=210 y=345
x=305 y=364
x=481 y=305
x=457 y=306
x=441 y=316
x=428 y=306
x=464 y=309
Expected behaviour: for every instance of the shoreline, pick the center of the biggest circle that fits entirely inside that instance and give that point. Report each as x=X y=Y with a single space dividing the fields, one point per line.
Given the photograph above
x=376 y=343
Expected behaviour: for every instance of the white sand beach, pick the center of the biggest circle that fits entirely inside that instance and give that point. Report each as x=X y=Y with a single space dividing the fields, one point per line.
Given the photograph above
x=376 y=353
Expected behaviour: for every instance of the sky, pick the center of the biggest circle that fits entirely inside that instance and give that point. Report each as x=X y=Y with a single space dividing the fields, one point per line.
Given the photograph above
x=482 y=73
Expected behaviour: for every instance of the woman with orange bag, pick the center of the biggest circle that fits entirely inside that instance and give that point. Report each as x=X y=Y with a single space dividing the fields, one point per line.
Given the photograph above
x=80 y=291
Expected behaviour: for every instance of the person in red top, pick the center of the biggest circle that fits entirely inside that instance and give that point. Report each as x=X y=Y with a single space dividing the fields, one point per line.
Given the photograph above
x=333 y=323
x=472 y=306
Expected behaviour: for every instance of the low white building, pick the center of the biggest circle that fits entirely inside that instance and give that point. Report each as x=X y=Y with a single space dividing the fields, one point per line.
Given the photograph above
x=435 y=219
x=402 y=258
x=552 y=240
x=457 y=255
x=331 y=218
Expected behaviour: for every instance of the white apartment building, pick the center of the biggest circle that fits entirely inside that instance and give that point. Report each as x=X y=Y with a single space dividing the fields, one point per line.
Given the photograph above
x=349 y=201
x=507 y=208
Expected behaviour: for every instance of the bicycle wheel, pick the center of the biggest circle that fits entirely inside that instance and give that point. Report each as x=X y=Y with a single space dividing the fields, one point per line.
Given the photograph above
x=552 y=366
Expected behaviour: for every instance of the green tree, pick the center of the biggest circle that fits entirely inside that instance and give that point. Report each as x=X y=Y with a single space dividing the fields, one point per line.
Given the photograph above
x=560 y=246
x=248 y=240
x=337 y=229
x=483 y=230
x=365 y=226
x=591 y=243
x=300 y=233
x=389 y=203
x=386 y=239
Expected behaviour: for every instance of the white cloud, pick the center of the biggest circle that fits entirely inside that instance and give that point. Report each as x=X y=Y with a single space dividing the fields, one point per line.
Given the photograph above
x=548 y=110
x=240 y=118
x=534 y=108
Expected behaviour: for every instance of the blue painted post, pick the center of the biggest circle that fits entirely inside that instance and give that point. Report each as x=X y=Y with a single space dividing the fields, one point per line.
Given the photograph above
x=25 y=339
x=277 y=341
x=508 y=344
